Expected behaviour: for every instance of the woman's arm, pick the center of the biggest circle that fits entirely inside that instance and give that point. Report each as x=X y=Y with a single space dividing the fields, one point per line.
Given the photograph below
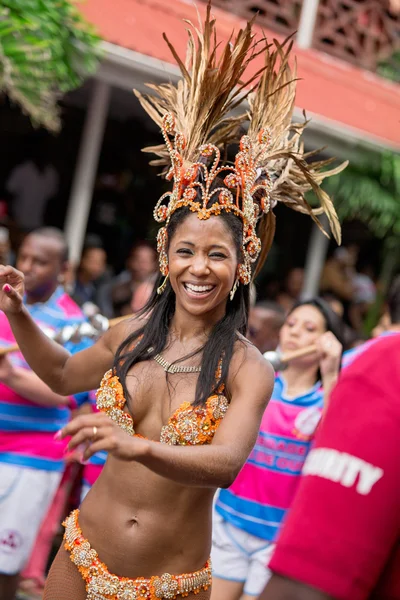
x=330 y=352
x=63 y=373
x=28 y=385
x=214 y=465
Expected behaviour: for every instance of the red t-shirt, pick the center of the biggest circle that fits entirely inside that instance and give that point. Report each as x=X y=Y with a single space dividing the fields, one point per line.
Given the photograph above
x=342 y=535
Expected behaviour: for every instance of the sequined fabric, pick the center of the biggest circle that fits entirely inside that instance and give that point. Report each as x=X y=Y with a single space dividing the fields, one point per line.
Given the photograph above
x=102 y=585
x=189 y=425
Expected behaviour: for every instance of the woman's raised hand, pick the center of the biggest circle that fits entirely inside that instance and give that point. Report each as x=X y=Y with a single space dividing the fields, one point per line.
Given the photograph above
x=330 y=354
x=11 y=289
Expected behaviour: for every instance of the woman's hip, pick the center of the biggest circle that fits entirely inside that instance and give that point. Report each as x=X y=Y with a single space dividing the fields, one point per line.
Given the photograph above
x=101 y=584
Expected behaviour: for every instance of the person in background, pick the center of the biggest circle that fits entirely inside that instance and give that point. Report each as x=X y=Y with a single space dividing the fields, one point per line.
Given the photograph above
x=265 y=322
x=31 y=185
x=364 y=296
x=338 y=274
x=342 y=537
x=248 y=516
x=31 y=461
x=334 y=302
x=351 y=337
x=383 y=325
x=292 y=287
x=90 y=275
x=391 y=323
x=130 y=290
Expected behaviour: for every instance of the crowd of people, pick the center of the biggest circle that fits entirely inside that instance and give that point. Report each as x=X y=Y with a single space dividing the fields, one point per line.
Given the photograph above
x=246 y=520
x=348 y=283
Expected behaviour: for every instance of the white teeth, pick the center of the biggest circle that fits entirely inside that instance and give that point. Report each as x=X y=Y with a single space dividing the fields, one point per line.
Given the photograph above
x=199 y=288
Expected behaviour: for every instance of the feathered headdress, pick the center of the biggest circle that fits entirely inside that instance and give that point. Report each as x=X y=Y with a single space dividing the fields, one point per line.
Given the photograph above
x=270 y=166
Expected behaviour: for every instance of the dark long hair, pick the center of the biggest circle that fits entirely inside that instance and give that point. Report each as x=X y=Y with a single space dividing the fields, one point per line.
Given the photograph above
x=161 y=308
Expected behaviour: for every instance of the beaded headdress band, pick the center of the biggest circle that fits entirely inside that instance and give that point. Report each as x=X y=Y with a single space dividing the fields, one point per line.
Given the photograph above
x=270 y=166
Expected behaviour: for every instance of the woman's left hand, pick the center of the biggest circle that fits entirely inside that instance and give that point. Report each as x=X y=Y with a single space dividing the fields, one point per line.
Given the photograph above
x=330 y=355
x=97 y=432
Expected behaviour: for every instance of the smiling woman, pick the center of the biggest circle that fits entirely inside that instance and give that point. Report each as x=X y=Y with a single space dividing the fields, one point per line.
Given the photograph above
x=204 y=268
x=182 y=391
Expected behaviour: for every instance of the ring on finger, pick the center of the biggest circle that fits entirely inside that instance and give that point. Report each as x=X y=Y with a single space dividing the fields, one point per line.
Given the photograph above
x=94 y=432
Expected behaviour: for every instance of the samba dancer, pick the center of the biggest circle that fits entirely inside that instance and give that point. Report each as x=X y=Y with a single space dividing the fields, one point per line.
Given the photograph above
x=185 y=377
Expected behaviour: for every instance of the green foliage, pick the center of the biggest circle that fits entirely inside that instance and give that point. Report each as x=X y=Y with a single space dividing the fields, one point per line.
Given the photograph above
x=390 y=68
x=370 y=192
x=46 y=49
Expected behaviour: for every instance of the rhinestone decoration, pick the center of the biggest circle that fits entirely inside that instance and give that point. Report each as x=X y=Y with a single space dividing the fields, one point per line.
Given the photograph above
x=206 y=150
x=252 y=185
x=102 y=585
x=165 y=586
x=225 y=197
x=232 y=181
x=190 y=174
x=83 y=555
x=219 y=405
x=110 y=400
x=162 y=242
x=264 y=137
x=189 y=194
x=188 y=426
x=172 y=367
x=191 y=425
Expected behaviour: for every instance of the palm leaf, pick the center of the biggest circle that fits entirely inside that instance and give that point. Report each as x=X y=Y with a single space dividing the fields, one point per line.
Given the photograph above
x=370 y=193
x=46 y=49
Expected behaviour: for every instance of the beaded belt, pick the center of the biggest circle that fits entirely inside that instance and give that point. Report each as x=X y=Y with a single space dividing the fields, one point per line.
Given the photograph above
x=102 y=585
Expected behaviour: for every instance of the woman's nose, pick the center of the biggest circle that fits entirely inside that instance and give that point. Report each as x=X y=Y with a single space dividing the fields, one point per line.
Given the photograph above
x=295 y=331
x=199 y=265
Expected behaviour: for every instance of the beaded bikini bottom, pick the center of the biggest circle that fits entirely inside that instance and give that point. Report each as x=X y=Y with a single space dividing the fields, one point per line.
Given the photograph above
x=102 y=585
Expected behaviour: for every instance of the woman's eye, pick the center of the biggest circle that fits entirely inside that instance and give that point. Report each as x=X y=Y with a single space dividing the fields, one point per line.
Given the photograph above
x=184 y=251
x=217 y=255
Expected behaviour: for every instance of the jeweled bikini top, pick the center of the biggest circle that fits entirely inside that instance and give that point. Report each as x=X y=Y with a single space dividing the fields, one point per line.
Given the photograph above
x=189 y=425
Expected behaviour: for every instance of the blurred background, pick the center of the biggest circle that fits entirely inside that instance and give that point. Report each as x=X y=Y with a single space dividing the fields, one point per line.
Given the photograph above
x=70 y=151
x=71 y=134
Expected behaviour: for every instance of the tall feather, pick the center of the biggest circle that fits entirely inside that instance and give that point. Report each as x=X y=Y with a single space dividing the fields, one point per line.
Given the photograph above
x=289 y=167
x=211 y=86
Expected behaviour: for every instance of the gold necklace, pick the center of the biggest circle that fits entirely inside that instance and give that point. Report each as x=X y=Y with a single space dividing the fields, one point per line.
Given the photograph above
x=173 y=368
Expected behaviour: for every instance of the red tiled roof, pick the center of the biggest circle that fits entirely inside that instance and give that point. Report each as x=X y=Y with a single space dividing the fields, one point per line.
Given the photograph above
x=332 y=90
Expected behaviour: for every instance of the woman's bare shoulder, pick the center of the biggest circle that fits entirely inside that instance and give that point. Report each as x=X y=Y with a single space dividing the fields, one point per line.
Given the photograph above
x=248 y=366
x=117 y=334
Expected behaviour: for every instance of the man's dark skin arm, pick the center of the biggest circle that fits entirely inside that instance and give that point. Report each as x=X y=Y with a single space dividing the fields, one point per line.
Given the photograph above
x=281 y=588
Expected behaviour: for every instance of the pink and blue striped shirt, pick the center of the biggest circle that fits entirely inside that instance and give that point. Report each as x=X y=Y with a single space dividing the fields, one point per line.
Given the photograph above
x=262 y=493
x=27 y=429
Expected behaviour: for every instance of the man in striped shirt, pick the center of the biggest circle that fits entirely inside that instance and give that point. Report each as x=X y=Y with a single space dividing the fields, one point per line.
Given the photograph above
x=31 y=461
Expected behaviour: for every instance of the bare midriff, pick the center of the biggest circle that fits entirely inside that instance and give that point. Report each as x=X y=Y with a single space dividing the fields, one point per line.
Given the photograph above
x=142 y=524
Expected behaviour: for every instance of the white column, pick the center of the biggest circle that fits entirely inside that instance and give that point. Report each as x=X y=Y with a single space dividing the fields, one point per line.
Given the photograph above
x=86 y=167
x=315 y=260
x=307 y=23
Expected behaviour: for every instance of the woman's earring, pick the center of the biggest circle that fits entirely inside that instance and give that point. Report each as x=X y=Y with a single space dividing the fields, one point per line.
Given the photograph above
x=233 y=290
x=161 y=289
